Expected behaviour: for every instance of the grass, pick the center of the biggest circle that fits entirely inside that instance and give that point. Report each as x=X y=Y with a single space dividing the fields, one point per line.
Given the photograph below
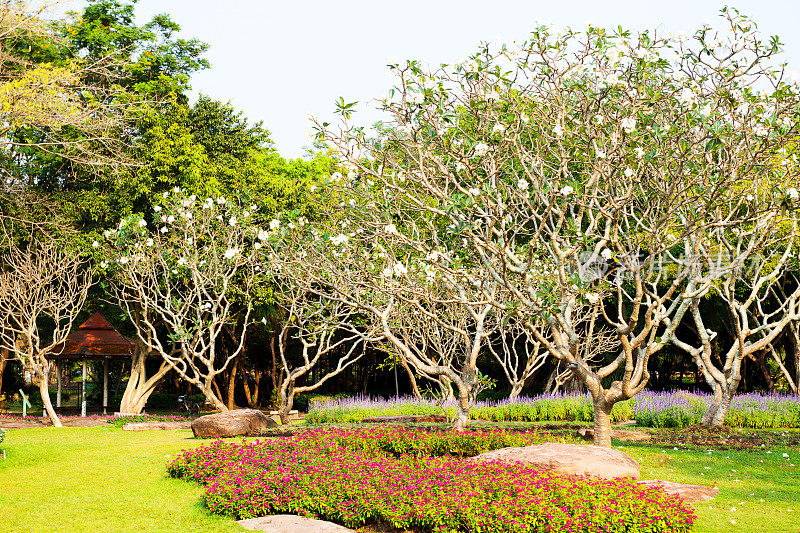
x=109 y=480
x=99 y=480
x=743 y=479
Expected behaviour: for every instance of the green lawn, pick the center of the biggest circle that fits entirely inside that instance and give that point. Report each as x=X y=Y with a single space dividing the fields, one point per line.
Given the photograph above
x=759 y=491
x=106 y=479
x=99 y=480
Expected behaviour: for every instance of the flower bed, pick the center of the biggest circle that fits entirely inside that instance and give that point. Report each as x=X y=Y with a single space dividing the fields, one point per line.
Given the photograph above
x=649 y=409
x=348 y=477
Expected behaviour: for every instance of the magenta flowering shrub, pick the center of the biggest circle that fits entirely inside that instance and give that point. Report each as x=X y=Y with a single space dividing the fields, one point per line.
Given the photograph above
x=331 y=475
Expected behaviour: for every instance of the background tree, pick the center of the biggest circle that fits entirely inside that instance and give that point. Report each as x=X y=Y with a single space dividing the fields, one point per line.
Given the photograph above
x=40 y=283
x=183 y=282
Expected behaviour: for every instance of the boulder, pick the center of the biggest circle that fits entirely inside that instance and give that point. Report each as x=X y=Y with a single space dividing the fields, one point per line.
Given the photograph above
x=619 y=434
x=285 y=523
x=145 y=426
x=569 y=459
x=236 y=423
x=685 y=491
x=406 y=419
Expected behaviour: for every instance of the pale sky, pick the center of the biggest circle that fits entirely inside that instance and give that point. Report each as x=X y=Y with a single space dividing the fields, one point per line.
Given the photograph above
x=282 y=61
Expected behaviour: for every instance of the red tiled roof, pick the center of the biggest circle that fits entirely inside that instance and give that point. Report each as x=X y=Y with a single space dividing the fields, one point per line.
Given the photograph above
x=94 y=338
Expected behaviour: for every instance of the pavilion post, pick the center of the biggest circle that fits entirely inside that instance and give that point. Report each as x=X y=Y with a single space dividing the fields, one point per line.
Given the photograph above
x=58 y=380
x=83 y=389
x=105 y=385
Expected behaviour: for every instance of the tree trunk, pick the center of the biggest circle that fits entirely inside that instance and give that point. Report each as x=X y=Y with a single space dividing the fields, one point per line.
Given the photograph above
x=602 y=423
x=286 y=400
x=44 y=391
x=721 y=403
x=232 y=383
x=139 y=387
x=212 y=398
x=516 y=389
x=412 y=379
x=462 y=411
x=3 y=363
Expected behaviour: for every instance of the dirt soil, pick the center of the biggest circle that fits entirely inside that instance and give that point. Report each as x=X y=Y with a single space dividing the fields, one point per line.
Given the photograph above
x=725 y=438
x=76 y=422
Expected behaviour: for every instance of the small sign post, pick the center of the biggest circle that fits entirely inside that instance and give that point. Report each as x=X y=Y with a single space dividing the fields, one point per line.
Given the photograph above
x=25 y=404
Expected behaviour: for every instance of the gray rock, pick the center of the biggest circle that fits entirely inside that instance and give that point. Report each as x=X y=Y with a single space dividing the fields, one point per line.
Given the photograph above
x=236 y=423
x=619 y=434
x=685 y=491
x=145 y=426
x=286 y=523
x=569 y=459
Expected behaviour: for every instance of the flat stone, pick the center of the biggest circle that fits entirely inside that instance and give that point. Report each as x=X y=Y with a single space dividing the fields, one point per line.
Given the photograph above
x=568 y=459
x=145 y=426
x=235 y=423
x=406 y=419
x=627 y=423
x=286 y=523
x=281 y=431
x=685 y=491
x=619 y=434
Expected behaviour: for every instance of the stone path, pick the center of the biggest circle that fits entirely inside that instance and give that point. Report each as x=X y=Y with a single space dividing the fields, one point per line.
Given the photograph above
x=285 y=523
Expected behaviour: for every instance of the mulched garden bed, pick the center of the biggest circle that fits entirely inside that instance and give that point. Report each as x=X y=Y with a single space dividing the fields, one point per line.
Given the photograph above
x=725 y=438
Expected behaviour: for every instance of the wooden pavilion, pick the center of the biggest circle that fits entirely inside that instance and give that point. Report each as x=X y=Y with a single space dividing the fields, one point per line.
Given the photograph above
x=95 y=340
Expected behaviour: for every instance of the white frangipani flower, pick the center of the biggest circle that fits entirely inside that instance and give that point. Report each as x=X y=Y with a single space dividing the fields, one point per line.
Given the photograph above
x=606 y=254
x=400 y=269
x=567 y=190
x=792 y=194
x=164 y=229
x=523 y=184
x=142 y=223
x=592 y=297
x=628 y=124
x=481 y=149
x=628 y=172
x=391 y=229
x=95 y=244
x=340 y=239
x=157 y=208
x=149 y=242
x=475 y=192
x=639 y=152
x=182 y=261
x=498 y=128
x=170 y=219
x=274 y=224
x=230 y=253
x=686 y=96
x=557 y=131
x=263 y=234
x=232 y=222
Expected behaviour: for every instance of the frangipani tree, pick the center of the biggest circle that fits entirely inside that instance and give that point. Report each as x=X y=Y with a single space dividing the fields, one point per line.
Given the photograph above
x=39 y=282
x=569 y=170
x=757 y=281
x=186 y=277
